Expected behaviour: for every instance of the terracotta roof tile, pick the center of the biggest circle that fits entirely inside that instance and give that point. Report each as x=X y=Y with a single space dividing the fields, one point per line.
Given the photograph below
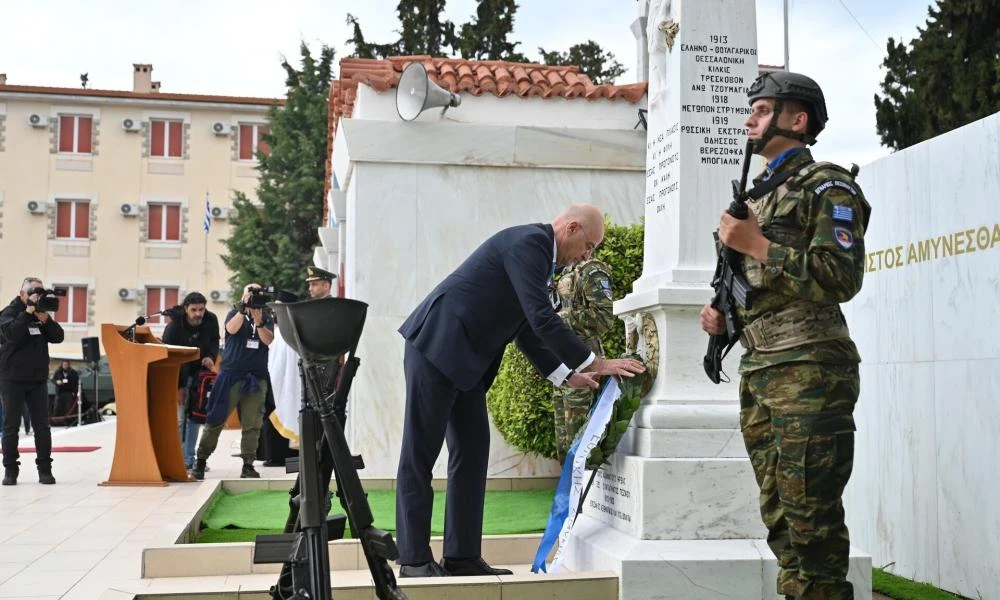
x=496 y=77
x=37 y=89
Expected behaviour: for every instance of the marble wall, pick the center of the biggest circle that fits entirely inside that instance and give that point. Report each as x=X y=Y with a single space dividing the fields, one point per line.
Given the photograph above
x=409 y=226
x=927 y=323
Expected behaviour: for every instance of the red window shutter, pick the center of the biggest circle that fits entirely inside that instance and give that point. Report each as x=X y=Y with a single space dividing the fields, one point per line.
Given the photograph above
x=246 y=142
x=156 y=138
x=79 y=295
x=155 y=226
x=170 y=298
x=84 y=135
x=153 y=299
x=63 y=216
x=176 y=139
x=63 y=305
x=82 y=220
x=263 y=146
x=173 y=217
x=67 y=125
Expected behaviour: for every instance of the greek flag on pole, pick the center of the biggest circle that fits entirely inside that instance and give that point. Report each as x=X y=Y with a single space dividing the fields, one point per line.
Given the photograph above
x=571 y=482
x=207 y=223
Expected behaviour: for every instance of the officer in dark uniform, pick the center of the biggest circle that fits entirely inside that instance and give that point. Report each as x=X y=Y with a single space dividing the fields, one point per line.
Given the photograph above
x=803 y=255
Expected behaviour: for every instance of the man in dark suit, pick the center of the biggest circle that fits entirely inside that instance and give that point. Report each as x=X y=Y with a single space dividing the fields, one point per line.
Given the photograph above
x=454 y=343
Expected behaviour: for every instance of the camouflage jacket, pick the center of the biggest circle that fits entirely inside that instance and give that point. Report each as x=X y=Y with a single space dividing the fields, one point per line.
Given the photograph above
x=585 y=302
x=816 y=223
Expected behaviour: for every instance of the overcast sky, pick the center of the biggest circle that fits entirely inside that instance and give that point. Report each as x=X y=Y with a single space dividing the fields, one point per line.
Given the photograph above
x=233 y=47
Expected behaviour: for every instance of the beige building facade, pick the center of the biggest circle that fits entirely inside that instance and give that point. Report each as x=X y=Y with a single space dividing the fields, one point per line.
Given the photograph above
x=107 y=193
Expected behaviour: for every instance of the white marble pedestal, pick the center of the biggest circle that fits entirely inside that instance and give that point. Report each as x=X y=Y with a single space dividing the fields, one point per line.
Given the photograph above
x=689 y=569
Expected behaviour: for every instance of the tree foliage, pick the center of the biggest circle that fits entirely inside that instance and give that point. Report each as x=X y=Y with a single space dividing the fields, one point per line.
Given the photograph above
x=272 y=239
x=945 y=78
x=486 y=36
x=599 y=65
x=520 y=400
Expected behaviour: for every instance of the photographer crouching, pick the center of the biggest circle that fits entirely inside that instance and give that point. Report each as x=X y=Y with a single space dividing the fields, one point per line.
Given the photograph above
x=26 y=330
x=242 y=381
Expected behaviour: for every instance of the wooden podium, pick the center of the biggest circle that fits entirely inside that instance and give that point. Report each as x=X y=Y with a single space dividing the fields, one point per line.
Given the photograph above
x=145 y=375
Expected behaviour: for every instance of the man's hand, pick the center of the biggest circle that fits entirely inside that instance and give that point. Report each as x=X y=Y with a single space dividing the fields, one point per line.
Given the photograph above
x=712 y=321
x=41 y=316
x=582 y=381
x=207 y=363
x=623 y=367
x=257 y=315
x=743 y=236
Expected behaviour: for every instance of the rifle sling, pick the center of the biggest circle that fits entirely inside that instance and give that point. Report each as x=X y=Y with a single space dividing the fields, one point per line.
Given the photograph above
x=766 y=187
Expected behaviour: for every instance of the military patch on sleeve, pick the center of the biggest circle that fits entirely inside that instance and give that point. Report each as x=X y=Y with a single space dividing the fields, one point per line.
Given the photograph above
x=843 y=213
x=835 y=183
x=844 y=237
x=606 y=286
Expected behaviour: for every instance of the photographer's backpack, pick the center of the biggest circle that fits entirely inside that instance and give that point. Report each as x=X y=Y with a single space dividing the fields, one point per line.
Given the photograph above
x=199 y=393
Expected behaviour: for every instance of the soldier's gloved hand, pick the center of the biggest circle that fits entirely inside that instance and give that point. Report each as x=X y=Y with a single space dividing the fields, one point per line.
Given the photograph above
x=582 y=381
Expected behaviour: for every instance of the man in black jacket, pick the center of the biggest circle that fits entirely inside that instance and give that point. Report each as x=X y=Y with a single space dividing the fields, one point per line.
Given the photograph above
x=25 y=335
x=455 y=340
x=67 y=382
x=194 y=326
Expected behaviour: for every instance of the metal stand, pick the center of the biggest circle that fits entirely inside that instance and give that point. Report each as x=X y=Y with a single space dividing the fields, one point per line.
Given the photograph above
x=322 y=331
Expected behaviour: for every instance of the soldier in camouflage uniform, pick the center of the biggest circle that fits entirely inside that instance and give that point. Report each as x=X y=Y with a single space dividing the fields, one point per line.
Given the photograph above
x=584 y=303
x=803 y=256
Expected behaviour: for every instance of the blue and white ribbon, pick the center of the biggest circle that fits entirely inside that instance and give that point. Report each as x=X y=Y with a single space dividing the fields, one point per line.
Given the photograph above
x=573 y=479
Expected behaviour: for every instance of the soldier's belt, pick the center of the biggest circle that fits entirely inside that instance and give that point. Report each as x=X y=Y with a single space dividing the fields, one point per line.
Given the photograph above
x=796 y=324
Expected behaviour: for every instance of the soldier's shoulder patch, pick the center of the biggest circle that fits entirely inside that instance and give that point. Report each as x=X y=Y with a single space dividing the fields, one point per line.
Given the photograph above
x=843 y=213
x=844 y=237
x=830 y=184
x=606 y=287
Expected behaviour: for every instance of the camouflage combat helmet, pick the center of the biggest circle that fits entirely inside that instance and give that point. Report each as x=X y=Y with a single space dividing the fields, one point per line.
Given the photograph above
x=782 y=85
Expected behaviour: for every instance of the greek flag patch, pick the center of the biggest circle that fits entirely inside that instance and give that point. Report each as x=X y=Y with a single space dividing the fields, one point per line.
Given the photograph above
x=843 y=213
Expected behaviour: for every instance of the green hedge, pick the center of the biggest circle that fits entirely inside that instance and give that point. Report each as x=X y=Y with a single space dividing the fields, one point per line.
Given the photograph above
x=520 y=400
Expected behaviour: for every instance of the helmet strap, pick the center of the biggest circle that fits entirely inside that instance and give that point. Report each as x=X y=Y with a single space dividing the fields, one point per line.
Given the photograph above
x=773 y=130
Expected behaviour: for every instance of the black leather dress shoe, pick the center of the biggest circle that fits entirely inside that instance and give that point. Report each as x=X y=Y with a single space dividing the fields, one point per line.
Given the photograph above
x=470 y=567
x=428 y=569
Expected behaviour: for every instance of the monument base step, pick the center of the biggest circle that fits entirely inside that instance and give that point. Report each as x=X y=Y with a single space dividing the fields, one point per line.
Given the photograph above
x=688 y=569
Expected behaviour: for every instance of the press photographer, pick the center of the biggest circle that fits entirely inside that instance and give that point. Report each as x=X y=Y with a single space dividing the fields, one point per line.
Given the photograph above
x=26 y=330
x=242 y=381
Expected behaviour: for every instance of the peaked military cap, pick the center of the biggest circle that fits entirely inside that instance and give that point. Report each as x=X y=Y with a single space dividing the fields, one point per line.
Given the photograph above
x=318 y=274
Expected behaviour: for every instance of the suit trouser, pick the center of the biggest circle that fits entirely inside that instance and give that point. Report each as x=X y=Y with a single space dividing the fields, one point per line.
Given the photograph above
x=15 y=396
x=436 y=411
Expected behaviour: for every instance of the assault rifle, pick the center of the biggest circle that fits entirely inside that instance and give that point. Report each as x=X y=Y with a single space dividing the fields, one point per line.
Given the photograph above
x=731 y=288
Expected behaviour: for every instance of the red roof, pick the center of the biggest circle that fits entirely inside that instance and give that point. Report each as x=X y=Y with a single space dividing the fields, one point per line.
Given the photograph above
x=37 y=89
x=475 y=77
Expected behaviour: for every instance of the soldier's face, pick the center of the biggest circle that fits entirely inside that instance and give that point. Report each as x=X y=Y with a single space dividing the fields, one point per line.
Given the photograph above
x=319 y=288
x=761 y=113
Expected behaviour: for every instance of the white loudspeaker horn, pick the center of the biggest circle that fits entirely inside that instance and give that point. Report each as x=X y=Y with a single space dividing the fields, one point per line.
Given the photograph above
x=416 y=93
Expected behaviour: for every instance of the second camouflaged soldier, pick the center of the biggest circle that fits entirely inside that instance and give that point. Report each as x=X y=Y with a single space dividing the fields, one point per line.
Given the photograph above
x=584 y=296
x=803 y=256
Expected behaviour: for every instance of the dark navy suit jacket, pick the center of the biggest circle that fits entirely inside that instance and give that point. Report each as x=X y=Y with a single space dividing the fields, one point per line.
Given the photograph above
x=498 y=294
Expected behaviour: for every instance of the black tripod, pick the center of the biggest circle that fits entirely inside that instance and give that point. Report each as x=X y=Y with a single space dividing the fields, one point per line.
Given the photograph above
x=321 y=332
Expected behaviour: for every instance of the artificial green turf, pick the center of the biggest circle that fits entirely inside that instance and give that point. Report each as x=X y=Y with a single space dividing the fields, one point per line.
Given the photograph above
x=903 y=589
x=240 y=517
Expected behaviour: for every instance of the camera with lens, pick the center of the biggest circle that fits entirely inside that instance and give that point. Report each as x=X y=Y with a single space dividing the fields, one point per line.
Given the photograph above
x=259 y=297
x=48 y=300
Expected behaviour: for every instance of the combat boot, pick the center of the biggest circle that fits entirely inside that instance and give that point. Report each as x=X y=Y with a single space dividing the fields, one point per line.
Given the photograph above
x=249 y=472
x=45 y=475
x=10 y=476
x=198 y=471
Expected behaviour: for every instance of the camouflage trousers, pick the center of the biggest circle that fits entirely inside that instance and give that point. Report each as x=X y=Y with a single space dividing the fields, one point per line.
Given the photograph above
x=798 y=426
x=570 y=408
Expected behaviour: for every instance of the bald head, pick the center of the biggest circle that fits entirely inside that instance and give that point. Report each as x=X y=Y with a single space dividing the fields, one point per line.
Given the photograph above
x=578 y=230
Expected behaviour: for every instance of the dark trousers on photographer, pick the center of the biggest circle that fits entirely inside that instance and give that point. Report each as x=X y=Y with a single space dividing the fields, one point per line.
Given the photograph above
x=16 y=395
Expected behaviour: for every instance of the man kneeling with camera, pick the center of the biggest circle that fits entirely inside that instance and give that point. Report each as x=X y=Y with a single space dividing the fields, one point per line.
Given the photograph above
x=26 y=330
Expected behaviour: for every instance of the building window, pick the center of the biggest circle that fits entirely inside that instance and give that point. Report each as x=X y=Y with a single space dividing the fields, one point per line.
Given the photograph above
x=251 y=140
x=160 y=299
x=75 y=134
x=166 y=139
x=164 y=222
x=72 y=306
x=73 y=219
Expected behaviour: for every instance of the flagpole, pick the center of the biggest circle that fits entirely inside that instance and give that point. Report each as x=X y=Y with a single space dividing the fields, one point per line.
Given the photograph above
x=786 y=35
x=206 y=227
